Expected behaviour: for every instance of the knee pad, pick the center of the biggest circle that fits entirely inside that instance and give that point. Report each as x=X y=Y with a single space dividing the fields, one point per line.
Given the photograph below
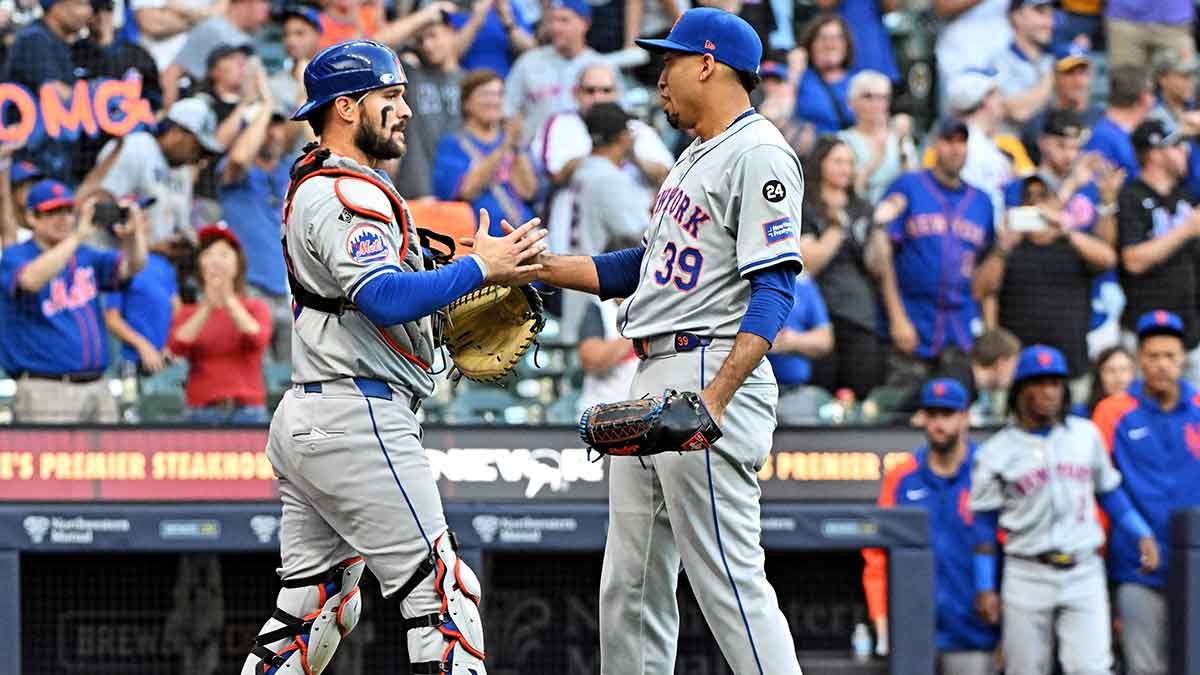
x=458 y=621
x=312 y=616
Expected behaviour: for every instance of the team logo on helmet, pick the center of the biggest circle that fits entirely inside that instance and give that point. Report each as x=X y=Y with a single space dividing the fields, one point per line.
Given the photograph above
x=387 y=78
x=366 y=244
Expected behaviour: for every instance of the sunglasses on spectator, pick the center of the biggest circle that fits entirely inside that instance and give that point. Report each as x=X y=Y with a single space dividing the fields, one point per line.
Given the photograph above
x=597 y=90
x=874 y=94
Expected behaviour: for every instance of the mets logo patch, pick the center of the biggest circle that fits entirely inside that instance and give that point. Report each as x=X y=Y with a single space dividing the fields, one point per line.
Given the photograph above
x=778 y=230
x=366 y=244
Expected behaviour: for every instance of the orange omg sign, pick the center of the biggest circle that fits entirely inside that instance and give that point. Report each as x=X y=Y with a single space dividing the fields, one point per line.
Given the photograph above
x=115 y=107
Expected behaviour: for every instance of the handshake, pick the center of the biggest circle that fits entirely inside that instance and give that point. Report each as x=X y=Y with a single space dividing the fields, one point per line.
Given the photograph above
x=510 y=260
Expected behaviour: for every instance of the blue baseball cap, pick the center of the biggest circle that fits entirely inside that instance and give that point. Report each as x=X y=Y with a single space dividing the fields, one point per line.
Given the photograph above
x=1040 y=361
x=306 y=14
x=23 y=171
x=1071 y=55
x=580 y=7
x=48 y=195
x=773 y=69
x=944 y=393
x=706 y=30
x=1159 y=322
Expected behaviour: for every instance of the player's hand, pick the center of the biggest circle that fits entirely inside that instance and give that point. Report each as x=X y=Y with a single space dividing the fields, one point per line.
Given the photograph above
x=1148 y=550
x=509 y=258
x=715 y=407
x=904 y=335
x=987 y=606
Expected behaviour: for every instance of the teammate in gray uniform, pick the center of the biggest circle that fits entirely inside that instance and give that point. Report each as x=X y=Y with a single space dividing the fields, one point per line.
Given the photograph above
x=708 y=291
x=345 y=443
x=1040 y=479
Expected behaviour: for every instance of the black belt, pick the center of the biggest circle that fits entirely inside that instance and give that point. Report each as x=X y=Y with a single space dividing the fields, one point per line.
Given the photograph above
x=1056 y=559
x=370 y=388
x=73 y=378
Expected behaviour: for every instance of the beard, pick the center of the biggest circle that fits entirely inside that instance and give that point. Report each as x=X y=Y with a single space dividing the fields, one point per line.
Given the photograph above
x=673 y=120
x=946 y=447
x=378 y=144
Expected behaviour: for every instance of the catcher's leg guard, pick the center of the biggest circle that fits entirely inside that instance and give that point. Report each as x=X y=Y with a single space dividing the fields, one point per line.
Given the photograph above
x=458 y=620
x=312 y=617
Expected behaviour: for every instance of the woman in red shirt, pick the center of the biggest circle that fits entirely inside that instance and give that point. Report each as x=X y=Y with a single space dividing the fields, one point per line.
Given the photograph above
x=223 y=337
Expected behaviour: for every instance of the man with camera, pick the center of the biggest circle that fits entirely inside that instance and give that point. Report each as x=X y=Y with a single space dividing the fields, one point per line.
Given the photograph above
x=1043 y=264
x=55 y=345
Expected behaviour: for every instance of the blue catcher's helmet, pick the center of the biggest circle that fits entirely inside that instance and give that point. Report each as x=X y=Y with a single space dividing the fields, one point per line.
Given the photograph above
x=345 y=69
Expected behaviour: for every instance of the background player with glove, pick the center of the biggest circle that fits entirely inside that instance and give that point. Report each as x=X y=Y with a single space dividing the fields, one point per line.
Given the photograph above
x=707 y=293
x=356 y=486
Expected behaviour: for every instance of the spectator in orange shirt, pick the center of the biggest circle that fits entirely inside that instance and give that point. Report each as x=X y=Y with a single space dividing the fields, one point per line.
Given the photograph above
x=223 y=337
x=344 y=20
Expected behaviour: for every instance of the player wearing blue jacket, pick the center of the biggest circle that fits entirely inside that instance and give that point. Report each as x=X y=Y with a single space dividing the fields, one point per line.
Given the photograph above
x=1153 y=433
x=939 y=227
x=55 y=344
x=938 y=479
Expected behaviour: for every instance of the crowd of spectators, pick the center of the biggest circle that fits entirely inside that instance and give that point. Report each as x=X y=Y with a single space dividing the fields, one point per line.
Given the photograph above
x=1047 y=200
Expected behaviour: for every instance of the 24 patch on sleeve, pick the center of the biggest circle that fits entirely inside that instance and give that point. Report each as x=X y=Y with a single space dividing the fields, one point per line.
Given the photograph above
x=778 y=230
x=367 y=244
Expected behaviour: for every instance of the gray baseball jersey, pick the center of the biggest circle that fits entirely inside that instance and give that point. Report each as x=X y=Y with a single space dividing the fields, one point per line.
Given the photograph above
x=334 y=251
x=1045 y=487
x=729 y=206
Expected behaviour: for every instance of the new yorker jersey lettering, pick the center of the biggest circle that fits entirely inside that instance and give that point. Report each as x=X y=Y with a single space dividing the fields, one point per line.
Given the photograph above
x=729 y=207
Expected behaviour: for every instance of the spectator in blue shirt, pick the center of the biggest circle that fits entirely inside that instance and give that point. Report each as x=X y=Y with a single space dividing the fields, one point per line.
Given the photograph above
x=492 y=36
x=55 y=344
x=873 y=44
x=1130 y=100
x=252 y=181
x=140 y=314
x=807 y=334
x=824 y=79
x=482 y=163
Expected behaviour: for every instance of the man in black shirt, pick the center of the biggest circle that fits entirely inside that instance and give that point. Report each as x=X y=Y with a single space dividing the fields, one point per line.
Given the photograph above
x=1042 y=278
x=1158 y=230
x=433 y=94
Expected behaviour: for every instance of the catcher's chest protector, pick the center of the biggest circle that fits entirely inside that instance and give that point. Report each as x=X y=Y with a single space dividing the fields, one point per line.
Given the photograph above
x=318 y=161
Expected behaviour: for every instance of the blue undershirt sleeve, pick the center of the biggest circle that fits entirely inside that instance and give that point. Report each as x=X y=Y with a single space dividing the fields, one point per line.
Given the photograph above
x=618 y=272
x=1118 y=507
x=400 y=297
x=984 y=530
x=772 y=294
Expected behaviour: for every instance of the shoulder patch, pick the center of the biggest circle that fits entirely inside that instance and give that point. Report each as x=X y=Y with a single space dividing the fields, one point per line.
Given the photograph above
x=363 y=199
x=773 y=191
x=366 y=244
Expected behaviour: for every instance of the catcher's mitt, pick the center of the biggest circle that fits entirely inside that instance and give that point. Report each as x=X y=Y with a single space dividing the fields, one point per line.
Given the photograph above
x=488 y=331
x=675 y=421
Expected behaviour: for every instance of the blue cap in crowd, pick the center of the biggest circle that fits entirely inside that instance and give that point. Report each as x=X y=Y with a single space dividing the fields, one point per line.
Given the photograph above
x=706 y=30
x=583 y=9
x=1159 y=322
x=306 y=14
x=944 y=393
x=48 y=195
x=23 y=171
x=1040 y=361
x=1070 y=56
x=773 y=69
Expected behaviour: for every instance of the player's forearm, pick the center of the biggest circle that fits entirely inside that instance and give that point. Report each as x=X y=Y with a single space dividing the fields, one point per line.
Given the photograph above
x=748 y=351
x=983 y=531
x=393 y=298
x=1121 y=511
x=45 y=267
x=576 y=272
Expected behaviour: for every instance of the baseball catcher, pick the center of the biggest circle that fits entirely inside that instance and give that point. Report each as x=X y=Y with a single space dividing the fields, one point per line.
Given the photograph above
x=356 y=486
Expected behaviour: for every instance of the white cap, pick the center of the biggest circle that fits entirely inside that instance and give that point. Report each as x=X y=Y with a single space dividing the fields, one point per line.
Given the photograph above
x=968 y=89
x=195 y=116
